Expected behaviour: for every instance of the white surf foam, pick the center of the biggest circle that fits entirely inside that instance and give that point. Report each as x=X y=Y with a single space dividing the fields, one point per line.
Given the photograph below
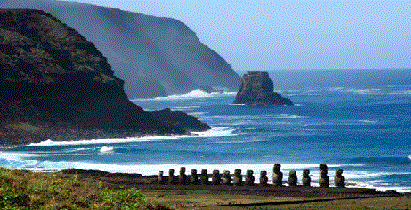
x=191 y=95
x=49 y=142
x=369 y=91
x=15 y=156
x=287 y=116
x=213 y=132
x=404 y=92
x=106 y=149
x=368 y=121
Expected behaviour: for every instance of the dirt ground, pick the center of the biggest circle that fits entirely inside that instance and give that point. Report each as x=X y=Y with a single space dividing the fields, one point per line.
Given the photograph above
x=248 y=197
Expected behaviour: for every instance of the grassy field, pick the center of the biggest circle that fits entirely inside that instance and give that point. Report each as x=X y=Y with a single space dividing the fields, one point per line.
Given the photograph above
x=23 y=189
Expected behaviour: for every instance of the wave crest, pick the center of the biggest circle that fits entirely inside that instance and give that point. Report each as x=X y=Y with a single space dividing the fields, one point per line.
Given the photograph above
x=191 y=95
x=213 y=132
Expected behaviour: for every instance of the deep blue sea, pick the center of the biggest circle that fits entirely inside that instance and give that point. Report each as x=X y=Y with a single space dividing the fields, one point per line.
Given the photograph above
x=361 y=127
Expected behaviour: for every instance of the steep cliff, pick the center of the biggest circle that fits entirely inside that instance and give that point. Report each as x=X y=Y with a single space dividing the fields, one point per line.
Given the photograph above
x=256 y=88
x=155 y=56
x=56 y=84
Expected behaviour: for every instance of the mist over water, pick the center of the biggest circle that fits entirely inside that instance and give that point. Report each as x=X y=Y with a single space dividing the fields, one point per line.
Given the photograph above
x=362 y=128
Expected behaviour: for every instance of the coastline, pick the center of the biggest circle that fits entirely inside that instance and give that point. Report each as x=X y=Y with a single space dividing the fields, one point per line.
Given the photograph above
x=70 y=187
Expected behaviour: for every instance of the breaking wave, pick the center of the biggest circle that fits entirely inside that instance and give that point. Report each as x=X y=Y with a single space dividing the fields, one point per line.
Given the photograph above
x=191 y=95
x=213 y=132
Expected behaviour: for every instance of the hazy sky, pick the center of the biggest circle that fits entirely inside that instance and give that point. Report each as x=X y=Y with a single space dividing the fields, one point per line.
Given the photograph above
x=303 y=34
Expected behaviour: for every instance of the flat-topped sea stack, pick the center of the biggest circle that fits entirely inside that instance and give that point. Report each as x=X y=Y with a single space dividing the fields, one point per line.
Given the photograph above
x=256 y=88
x=54 y=84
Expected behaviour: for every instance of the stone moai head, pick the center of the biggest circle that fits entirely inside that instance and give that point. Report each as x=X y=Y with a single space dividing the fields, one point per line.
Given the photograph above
x=276 y=168
x=324 y=179
x=339 y=172
x=250 y=178
x=277 y=175
x=324 y=167
x=216 y=179
x=237 y=179
x=263 y=178
x=182 y=170
x=194 y=176
x=204 y=172
x=171 y=178
x=160 y=178
x=292 y=178
x=306 y=178
x=306 y=173
x=237 y=172
x=339 y=179
x=226 y=177
x=182 y=178
x=204 y=176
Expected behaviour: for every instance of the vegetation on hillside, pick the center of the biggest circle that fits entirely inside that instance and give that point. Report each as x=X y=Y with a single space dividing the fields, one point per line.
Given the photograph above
x=23 y=189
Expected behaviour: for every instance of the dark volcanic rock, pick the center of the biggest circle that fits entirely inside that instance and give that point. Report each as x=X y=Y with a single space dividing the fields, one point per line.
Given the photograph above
x=55 y=84
x=256 y=88
x=155 y=56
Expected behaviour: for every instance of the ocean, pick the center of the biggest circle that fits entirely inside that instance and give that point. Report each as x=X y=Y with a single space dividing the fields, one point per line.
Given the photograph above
x=362 y=127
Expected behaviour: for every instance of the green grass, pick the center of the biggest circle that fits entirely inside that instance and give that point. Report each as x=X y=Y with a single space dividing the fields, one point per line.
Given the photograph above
x=22 y=189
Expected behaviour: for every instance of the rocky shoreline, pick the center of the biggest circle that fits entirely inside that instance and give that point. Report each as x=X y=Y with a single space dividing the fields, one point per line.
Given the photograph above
x=57 y=85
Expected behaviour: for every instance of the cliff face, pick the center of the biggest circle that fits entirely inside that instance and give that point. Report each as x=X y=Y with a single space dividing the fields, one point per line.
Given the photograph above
x=256 y=88
x=56 y=84
x=155 y=56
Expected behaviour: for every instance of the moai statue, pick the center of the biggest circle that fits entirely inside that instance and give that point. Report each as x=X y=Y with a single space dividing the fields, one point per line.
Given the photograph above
x=226 y=178
x=277 y=176
x=204 y=177
x=263 y=178
x=339 y=179
x=237 y=179
x=250 y=179
x=182 y=179
x=216 y=178
x=171 y=178
x=292 y=178
x=324 y=179
x=194 y=177
x=160 y=178
x=306 y=178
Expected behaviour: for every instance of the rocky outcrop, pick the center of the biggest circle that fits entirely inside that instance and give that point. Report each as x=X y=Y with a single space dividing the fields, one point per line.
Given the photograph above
x=56 y=84
x=155 y=56
x=256 y=88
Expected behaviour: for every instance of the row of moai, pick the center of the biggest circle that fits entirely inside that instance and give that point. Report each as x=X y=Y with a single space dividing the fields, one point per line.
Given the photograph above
x=237 y=178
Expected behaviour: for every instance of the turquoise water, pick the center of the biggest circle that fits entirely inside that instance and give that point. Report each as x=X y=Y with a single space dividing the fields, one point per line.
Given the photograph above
x=363 y=130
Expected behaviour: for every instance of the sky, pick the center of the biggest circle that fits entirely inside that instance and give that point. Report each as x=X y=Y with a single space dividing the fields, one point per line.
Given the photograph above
x=289 y=34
